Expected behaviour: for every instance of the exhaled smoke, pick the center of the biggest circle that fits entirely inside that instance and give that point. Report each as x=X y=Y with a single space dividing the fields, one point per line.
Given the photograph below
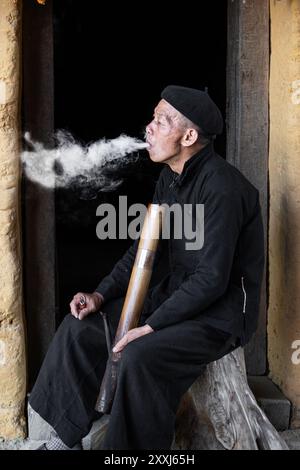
x=72 y=163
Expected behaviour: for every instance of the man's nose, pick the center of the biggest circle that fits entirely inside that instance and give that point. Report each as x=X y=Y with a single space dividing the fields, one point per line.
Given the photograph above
x=149 y=129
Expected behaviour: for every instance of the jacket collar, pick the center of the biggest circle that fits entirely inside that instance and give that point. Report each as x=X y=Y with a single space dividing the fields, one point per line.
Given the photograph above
x=193 y=165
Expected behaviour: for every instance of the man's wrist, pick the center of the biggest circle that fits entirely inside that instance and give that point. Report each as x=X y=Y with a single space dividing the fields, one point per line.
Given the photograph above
x=99 y=296
x=148 y=328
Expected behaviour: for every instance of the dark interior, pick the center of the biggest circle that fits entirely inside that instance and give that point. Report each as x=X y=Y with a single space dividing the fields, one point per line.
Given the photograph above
x=110 y=64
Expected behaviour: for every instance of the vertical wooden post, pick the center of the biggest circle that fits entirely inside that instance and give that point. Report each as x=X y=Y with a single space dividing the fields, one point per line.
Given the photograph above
x=38 y=202
x=247 y=123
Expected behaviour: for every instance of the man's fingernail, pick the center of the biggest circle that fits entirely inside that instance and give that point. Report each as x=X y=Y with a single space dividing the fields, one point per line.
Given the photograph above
x=114 y=349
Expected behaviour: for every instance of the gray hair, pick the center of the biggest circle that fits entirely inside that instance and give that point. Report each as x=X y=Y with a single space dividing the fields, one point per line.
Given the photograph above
x=203 y=138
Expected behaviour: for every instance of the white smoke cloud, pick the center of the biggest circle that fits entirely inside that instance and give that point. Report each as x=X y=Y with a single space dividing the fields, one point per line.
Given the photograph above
x=70 y=162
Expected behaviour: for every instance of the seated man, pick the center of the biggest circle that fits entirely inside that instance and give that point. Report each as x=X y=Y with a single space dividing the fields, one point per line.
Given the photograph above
x=205 y=307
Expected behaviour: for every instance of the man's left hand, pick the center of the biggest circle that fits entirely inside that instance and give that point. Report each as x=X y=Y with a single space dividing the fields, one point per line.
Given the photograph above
x=132 y=335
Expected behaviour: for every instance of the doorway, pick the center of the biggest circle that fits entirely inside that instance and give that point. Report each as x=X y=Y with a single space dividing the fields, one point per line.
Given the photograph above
x=110 y=65
x=97 y=70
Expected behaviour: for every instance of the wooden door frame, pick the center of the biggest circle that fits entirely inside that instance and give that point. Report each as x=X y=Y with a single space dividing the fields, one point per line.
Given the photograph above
x=248 y=56
x=38 y=203
x=247 y=148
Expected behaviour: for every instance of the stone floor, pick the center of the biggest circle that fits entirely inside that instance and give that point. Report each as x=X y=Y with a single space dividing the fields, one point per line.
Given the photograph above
x=15 y=444
x=291 y=437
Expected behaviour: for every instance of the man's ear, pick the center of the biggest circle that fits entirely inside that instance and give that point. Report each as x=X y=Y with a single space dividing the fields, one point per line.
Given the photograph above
x=189 y=138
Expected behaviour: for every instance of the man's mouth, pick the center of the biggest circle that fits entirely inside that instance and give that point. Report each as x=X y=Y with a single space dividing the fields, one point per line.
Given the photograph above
x=149 y=143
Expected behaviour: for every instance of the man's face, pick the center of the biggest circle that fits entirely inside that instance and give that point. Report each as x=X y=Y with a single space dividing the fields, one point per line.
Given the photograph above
x=164 y=134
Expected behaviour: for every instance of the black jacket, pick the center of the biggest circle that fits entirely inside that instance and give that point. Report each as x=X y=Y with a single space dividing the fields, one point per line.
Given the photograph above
x=219 y=283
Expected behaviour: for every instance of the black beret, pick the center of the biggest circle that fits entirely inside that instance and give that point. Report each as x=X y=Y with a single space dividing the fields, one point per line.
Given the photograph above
x=197 y=106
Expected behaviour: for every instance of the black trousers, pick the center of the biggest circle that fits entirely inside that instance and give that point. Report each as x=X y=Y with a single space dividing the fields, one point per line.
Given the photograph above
x=155 y=371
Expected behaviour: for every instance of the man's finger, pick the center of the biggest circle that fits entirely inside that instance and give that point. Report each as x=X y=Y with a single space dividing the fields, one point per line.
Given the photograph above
x=77 y=297
x=121 y=344
x=73 y=309
x=83 y=313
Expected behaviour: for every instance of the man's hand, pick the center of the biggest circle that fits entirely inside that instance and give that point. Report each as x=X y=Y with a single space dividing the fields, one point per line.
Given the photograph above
x=132 y=335
x=90 y=303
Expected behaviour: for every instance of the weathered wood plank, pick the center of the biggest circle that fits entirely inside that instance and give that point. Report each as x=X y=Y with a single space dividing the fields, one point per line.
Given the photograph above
x=220 y=412
x=247 y=123
x=38 y=203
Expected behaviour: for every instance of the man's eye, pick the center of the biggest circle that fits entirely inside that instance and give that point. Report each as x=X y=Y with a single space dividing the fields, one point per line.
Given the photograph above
x=158 y=122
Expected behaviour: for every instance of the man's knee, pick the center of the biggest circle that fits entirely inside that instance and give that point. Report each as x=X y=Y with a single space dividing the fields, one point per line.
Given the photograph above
x=136 y=356
x=74 y=327
x=71 y=323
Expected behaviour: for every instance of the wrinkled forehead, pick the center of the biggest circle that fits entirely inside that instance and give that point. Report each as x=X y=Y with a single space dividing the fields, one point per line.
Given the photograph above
x=165 y=109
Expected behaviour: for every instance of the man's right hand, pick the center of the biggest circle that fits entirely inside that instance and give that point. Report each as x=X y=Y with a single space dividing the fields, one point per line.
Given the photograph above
x=93 y=303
